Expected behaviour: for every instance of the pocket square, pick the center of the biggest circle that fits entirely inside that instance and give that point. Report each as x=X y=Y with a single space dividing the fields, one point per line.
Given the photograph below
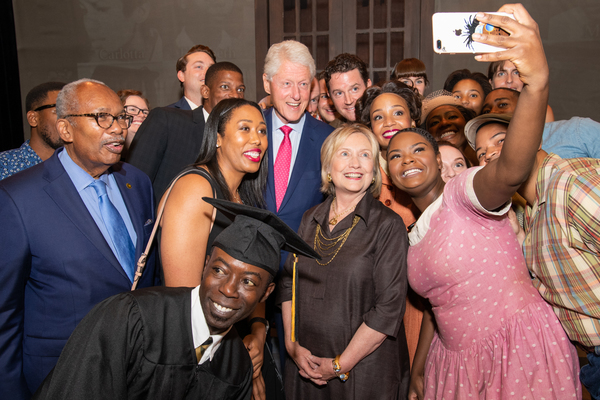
x=148 y=222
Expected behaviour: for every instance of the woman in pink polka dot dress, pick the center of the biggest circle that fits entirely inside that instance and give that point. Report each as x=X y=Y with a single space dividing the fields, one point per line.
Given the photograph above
x=495 y=337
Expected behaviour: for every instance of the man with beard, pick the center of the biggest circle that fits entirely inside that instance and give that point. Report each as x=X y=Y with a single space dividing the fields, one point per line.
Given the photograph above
x=40 y=104
x=73 y=227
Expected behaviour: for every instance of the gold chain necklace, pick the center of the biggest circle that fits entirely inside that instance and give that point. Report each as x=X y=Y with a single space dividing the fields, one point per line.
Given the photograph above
x=325 y=247
x=334 y=220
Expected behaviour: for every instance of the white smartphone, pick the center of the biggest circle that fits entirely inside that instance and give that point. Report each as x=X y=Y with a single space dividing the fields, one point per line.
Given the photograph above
x=453 y=33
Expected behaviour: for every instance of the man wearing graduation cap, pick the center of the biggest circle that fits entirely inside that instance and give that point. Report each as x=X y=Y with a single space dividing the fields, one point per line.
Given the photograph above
x=177 y=343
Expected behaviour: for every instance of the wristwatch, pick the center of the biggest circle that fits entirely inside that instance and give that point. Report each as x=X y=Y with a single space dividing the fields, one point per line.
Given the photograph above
x=337 y=368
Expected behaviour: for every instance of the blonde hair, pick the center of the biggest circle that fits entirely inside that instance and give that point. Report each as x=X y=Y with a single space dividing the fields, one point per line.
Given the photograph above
x=292 y=51
x=334 y=141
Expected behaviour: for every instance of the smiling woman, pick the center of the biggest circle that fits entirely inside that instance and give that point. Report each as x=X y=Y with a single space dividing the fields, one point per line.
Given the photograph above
x=464 y=257
x=386 y=110
x=232 y=165
x=445 y=119
x=229 y=164
x=350 y=304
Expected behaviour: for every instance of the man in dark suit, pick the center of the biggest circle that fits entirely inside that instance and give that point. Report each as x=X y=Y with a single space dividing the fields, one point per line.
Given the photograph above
x=191 y=69
x=295 y=140
x=169 y=139
x=72 y=229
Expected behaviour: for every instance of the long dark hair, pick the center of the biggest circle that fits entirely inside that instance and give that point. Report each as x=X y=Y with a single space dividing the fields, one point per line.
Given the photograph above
x=252 y=186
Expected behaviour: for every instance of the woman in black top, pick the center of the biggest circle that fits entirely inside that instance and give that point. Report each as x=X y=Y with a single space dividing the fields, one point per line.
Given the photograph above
x=232 y=165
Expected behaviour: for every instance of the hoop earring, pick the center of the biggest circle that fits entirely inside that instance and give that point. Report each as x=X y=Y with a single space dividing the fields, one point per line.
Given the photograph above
x=328 y=177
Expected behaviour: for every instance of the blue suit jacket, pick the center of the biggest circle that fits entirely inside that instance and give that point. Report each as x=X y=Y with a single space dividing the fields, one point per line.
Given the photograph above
x=55 y=265
x=303 y=190
x=181 y=103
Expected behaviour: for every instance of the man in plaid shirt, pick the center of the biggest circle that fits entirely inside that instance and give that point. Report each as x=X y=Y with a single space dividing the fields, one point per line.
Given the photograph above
x=562 y=242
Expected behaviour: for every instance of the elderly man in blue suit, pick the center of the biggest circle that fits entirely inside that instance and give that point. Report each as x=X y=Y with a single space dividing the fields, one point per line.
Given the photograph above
x=295 y=140
x=72 y=230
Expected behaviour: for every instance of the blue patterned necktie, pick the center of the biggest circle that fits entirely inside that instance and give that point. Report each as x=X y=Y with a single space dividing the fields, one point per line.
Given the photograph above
x=116 y=229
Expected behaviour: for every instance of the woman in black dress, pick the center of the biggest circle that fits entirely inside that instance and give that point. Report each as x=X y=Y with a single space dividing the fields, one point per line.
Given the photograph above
x=232 y=165
x=343 y=314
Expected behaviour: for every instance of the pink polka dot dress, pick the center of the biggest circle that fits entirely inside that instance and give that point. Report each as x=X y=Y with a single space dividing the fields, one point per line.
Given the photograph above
x=496 y=338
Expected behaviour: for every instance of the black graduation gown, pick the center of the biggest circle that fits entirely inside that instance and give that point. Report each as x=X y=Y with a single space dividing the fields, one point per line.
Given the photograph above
x=139 y=345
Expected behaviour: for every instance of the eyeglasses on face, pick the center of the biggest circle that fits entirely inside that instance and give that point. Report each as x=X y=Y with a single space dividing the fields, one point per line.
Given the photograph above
x=40 y=108
x=105 y=120
x=133 y=110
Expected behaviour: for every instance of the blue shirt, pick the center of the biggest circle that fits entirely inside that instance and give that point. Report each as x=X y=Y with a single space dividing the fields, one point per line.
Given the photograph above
x=295 y=136
x=16 y=160
x=82 y=181
x=573 y=138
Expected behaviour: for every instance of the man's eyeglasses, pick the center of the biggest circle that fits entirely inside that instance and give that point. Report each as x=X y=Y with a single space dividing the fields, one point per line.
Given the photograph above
x=40 y=108
x=133 y=110
x=105 y=120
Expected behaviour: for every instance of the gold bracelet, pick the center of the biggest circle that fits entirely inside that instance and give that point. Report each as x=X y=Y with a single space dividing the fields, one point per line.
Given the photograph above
x=337 y=368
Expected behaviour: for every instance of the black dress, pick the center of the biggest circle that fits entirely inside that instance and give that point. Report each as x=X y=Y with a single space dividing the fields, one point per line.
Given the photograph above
x=139 y=345
x=365 y=282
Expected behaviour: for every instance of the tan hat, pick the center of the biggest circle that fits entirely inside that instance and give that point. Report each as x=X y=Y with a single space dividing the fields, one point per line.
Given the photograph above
x=436 y=99
x=473 y=125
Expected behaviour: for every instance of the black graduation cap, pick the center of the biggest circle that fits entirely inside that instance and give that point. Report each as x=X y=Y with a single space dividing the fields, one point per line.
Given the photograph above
x=257 y=236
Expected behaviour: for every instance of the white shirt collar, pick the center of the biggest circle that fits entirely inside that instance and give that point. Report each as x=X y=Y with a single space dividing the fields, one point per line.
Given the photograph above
x=278 y=123
x=200 y=330
x=193 y=105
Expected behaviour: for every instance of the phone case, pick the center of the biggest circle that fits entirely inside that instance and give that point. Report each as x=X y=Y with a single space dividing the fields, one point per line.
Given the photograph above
x=453 y=33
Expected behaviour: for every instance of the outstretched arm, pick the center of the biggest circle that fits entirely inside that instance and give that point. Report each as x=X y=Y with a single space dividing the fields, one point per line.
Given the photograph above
x=499 y=180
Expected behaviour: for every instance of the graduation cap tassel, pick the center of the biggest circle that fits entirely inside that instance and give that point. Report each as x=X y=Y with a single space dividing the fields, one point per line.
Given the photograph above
x=294 y=278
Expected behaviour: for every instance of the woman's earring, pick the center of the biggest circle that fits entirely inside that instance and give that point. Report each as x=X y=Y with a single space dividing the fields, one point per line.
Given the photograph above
x=217 y=145
x=328 y=177
x=373 y=181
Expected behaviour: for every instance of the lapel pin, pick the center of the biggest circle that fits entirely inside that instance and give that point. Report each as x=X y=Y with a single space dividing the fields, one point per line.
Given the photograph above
x=128 y=185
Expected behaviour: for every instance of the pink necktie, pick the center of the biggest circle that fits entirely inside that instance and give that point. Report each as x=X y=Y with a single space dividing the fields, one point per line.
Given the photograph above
x=282 y=165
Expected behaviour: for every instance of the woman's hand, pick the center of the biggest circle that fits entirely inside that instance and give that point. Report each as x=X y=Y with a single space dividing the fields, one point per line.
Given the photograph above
x=514 y=224
x=303 y=359
x=496 y=183
x=255 y=346
x=325 y=368
x=415 y=391
x=523 y=46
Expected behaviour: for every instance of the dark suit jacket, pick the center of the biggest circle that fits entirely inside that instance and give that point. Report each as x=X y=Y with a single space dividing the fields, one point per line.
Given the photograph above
x=303 y=190
x=181 y=104
x=55 y=265
x=167 y=141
